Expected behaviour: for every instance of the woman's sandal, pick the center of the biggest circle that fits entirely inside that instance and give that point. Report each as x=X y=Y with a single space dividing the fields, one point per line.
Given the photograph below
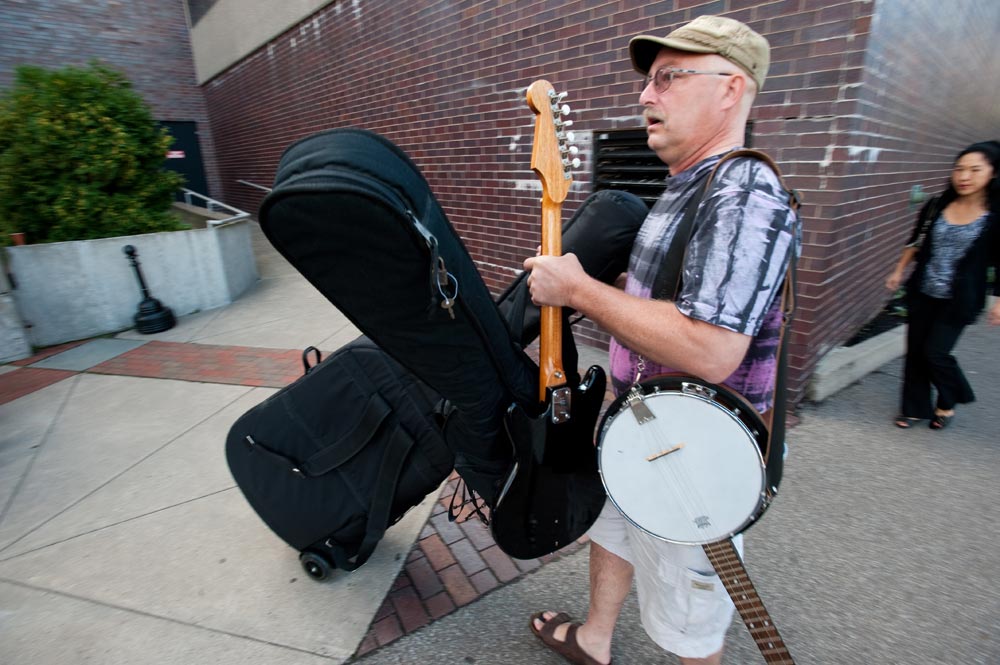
x=568 y=648
x=939 y=421
x=904 y=422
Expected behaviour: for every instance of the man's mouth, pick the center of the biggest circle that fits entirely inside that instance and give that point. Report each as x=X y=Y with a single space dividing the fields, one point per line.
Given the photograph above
x=653 y=119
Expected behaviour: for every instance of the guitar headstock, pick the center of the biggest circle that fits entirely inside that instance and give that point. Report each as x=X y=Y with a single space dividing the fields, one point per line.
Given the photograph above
x=552 y=156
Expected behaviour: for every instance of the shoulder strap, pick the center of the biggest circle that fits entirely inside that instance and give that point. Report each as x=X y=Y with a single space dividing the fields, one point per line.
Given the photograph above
x=674 y=260
x=927 y=217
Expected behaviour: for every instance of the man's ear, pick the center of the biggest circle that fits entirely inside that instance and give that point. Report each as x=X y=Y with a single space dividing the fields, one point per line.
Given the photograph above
x=736 y=87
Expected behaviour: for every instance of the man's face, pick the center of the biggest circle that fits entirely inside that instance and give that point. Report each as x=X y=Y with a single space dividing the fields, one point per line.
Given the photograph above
x=687 y=115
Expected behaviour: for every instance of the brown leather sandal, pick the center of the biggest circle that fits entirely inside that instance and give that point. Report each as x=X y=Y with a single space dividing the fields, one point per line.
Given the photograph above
x=569 y=648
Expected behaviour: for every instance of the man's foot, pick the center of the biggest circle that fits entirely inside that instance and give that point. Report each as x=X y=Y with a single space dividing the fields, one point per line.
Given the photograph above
x=904 y=422
x=559 y=633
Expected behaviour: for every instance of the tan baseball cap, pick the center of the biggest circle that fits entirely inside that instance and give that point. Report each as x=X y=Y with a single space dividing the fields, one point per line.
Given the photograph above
x=727 y=37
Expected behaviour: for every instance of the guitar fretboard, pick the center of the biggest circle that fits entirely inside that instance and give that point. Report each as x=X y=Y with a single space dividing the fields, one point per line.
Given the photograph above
x=730 y=569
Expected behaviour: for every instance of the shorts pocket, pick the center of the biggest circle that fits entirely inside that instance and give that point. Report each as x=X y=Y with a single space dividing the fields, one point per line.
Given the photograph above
x=699 y=605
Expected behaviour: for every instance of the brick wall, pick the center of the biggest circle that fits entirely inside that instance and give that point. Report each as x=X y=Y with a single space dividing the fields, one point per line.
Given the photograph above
x=445 y=80
x=147 y=40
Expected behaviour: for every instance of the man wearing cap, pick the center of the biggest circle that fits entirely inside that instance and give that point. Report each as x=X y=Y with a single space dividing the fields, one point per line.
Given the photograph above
x=723 y=326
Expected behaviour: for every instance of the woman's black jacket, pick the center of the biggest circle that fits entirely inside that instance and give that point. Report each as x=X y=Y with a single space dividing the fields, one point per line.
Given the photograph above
x=968 y=290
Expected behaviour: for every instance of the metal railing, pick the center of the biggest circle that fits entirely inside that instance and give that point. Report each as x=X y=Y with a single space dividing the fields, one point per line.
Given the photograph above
x=212 y=205
x=254 y=185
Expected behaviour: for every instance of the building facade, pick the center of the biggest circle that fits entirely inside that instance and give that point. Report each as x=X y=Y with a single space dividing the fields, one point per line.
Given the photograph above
x=857 y=110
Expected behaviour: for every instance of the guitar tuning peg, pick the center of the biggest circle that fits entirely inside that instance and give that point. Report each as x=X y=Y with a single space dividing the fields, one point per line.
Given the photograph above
x=575 y=163
x=571 y=137
x=563 y=123
x=565 y=109
x=573 y=150
x=557 y=96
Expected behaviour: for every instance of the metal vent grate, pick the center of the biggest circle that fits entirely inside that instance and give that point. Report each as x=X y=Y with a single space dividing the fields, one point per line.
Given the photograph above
x=622 y=160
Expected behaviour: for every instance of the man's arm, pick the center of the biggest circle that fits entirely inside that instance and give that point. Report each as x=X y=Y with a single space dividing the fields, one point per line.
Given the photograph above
x=653 y=328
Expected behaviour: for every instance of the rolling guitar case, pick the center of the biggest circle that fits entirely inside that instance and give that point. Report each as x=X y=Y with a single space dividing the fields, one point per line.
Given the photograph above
x=353 y=214
x=332 y=460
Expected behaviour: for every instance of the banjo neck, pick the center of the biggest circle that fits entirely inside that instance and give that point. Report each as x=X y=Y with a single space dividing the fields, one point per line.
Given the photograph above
x=730 y=569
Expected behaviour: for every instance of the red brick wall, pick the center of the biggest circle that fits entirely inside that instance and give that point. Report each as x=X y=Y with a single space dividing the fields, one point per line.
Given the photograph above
x=147 y=40
x=446 y=81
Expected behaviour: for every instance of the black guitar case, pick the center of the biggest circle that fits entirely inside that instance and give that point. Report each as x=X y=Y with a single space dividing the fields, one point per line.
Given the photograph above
x=355 y=216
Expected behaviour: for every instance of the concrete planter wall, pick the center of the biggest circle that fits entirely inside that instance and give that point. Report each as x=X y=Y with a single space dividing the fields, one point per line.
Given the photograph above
x=66 y=291
x=13 y=337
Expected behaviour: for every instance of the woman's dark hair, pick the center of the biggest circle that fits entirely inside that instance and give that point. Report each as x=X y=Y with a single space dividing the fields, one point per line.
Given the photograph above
x=991 y=151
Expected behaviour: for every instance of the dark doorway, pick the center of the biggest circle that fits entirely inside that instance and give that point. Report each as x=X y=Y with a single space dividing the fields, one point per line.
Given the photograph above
x=184 y=157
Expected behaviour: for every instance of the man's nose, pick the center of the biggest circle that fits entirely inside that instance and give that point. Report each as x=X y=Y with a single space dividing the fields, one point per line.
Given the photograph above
x=648 y=95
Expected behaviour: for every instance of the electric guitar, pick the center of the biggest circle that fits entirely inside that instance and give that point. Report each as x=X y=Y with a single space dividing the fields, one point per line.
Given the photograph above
x=553 y=493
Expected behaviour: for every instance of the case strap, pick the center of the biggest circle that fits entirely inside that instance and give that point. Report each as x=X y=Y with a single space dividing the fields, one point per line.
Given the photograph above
x=380 y=511
x=351 y=443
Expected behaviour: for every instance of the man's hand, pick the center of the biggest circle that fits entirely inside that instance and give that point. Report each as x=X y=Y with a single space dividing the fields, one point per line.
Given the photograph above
x=554 y=279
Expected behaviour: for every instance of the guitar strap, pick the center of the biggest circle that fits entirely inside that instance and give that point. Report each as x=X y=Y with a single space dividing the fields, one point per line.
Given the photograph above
x=671 y=275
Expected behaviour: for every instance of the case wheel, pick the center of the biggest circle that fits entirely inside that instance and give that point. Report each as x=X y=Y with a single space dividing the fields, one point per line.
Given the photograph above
x=315 y=565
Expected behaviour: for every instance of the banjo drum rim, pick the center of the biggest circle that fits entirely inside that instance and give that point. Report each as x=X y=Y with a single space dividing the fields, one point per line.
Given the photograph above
x=653 y=387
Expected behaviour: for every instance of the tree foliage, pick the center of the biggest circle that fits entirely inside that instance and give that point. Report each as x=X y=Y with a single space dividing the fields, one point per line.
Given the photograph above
x=81 y=157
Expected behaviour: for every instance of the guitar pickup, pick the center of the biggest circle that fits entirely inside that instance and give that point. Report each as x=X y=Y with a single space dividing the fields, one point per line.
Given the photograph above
x=561 y=404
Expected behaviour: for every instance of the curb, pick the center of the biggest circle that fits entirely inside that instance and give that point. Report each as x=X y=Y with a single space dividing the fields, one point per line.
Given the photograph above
x=847 y=364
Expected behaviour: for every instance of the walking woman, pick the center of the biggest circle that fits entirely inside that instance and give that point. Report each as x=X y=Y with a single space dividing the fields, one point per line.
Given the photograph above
x=956 y=239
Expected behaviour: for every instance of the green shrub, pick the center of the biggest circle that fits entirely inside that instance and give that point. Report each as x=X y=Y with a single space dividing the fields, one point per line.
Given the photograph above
x=81 y=157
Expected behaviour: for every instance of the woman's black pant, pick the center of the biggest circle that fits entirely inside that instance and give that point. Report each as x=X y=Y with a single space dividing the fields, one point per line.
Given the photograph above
x=930 y=338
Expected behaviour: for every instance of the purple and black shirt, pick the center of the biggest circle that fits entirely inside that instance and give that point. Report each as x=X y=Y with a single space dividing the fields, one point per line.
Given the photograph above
x=744 y=235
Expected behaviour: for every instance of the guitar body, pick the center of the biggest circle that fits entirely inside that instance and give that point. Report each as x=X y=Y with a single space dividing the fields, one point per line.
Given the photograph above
x=554 y=493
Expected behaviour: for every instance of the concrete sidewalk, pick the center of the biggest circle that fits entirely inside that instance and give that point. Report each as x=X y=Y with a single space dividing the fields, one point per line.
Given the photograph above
x=124 y=540
x=122 y=532
x=122 y=536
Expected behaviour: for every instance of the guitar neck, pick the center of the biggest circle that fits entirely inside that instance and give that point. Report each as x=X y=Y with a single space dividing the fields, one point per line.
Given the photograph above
x=728 y=565
x=550 y=362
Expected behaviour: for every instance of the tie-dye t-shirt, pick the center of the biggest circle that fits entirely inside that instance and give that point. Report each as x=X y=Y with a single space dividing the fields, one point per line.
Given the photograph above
x=733 y=270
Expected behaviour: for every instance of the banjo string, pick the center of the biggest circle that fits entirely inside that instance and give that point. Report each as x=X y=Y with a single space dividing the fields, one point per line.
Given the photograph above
x=675 y=471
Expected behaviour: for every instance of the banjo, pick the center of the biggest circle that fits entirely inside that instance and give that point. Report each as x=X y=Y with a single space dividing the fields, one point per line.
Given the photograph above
x=683 y=460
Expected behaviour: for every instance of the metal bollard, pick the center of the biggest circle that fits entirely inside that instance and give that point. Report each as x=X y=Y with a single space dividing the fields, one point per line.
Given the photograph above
x=152 y=316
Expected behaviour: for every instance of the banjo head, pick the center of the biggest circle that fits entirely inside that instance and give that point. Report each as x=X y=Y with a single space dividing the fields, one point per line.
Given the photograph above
x=693 y=472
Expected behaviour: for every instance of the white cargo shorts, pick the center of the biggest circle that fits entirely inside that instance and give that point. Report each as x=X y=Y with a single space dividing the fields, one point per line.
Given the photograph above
x=683 y=606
